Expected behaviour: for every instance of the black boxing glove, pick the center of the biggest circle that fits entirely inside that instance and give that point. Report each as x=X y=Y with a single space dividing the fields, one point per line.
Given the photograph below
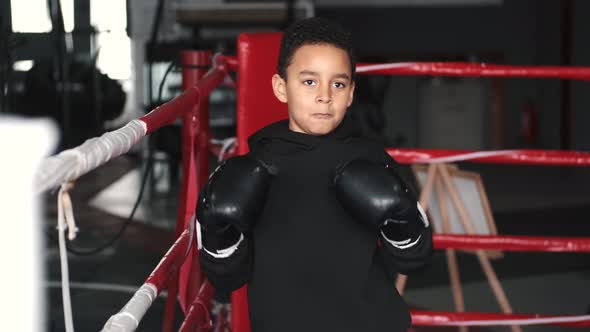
x=376 y=196
x=232 y=200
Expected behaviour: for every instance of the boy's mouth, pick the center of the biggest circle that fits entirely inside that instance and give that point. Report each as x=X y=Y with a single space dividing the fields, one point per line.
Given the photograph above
x=321 y=115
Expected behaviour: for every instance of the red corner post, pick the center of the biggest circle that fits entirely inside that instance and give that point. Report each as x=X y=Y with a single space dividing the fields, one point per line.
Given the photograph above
x=195 y=171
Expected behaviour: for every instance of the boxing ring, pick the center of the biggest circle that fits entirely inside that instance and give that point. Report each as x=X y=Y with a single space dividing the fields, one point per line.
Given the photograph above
x=178 y=271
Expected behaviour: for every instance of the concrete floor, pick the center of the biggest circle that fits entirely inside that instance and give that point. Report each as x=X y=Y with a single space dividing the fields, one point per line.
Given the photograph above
x=525 y=200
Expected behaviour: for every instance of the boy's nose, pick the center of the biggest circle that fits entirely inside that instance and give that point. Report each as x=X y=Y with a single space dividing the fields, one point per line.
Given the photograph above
x=324 y=96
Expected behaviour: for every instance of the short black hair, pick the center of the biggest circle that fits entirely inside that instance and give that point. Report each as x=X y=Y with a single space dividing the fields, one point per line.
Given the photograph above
x=313 y=31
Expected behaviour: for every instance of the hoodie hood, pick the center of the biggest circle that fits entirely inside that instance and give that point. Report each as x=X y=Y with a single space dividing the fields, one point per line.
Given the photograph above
x=277 y=138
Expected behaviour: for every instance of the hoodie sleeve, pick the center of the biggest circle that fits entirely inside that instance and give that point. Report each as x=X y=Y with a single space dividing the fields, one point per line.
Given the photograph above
x=407 y=255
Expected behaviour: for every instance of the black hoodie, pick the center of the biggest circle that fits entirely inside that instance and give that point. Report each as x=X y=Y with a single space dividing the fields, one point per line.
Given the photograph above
x=309 y=265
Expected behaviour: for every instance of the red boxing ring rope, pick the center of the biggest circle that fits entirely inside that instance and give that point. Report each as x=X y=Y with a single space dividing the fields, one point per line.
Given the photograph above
x=170 y=111
x=522 y=157
x=198 y=316
x=231 y=61
x=171 y=261
x=466 y=69
x=513 y=157
x=130 y=315
x=462 y=69
x=511 y=243
x=442 y=318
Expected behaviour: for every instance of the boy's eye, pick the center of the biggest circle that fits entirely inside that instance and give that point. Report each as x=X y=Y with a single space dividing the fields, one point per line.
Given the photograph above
x=339 y=85
x=309 y=82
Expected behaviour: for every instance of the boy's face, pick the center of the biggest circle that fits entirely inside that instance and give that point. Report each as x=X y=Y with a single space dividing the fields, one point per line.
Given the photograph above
x=318 y=88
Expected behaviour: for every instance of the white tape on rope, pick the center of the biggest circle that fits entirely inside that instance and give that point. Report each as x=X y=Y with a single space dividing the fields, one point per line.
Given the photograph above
x=71 y=164
x=468 y=156
x=127 y=320
x=381 y=66
x=524 y=321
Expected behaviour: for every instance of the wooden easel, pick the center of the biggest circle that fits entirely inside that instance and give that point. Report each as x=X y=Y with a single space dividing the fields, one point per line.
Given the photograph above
x=438 y=178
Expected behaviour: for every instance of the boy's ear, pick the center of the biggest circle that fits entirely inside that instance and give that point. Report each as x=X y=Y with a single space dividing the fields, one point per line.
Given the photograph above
x=351 y=94
x=279 y=87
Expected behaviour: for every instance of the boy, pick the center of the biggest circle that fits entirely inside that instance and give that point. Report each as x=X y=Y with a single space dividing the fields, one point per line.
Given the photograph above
x=315 y=218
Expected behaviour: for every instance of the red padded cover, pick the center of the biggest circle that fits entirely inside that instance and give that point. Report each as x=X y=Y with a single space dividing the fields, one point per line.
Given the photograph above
x=257 y=107
x=257 y=104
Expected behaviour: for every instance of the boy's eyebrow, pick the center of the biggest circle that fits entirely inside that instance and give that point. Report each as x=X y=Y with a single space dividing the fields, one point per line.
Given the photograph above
x=308 y=72
x=343 y=76
x=313 y=73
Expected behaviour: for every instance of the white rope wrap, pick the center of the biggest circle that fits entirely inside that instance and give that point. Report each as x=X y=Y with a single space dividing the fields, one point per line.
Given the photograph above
x=72 y=163
x=381 y=66
x=66 y=211
x=65 y=220
x=128 y=318
x=468 y=156
x=522 y=321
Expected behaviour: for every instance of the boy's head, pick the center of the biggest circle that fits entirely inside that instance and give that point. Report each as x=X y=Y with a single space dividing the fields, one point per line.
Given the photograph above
x=315 y=75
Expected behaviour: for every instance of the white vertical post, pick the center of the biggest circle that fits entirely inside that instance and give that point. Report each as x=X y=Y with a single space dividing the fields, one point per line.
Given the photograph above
x=23 y=143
